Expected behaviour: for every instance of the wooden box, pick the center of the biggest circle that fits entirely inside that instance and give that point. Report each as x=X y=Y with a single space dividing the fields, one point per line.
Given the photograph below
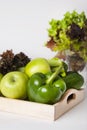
x=52 y=112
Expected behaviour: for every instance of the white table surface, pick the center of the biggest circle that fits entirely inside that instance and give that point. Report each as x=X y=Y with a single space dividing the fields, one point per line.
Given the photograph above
x=74 y=119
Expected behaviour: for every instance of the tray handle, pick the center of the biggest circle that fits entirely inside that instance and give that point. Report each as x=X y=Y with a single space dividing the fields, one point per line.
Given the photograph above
x=72 y=95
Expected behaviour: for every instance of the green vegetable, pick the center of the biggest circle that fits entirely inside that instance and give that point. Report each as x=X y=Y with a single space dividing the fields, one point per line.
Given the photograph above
x=45 y=89
x=60 y=83
x=73 y=80
x=69 y=33
x=55 y=63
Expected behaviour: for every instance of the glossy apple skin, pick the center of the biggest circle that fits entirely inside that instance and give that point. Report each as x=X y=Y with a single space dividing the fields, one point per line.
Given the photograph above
x=1 y=76
x=14 y=85
x=37 y=65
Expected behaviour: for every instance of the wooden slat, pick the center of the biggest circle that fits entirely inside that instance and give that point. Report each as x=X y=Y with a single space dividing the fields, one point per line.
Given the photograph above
x=38 y=110
x=70 y=99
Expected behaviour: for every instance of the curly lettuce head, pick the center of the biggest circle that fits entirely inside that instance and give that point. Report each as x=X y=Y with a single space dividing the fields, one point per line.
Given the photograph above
x=69 y=33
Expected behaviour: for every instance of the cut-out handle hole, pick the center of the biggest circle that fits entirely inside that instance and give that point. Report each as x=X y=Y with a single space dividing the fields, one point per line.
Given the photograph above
x=71 y=97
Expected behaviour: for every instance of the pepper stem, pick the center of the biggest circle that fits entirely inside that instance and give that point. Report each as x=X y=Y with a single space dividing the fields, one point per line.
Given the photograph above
x=50 y=80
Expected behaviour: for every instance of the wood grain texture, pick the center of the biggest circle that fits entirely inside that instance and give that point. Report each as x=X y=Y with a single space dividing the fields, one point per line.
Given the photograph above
x=70 y=99
x=52 y=112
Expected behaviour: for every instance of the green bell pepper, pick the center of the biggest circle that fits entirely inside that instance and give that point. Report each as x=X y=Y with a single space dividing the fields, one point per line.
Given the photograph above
x=46 y=90
x=55 y=63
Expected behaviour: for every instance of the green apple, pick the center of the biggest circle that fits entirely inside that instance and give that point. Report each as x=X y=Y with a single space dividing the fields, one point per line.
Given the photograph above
x=37 y=65
x=14 y=85
x=1 y=76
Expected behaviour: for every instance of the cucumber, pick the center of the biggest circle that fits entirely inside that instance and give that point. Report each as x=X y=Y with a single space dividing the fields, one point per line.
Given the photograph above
x=73 y=80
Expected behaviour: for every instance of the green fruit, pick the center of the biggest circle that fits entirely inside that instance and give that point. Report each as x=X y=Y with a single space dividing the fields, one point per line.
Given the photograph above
x=73 y=80
x=14 y=85
x=60 y=84
x=1 y=76
x=37 y=65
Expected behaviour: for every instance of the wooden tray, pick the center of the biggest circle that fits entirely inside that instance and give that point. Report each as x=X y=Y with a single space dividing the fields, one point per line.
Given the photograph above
x=71 y=98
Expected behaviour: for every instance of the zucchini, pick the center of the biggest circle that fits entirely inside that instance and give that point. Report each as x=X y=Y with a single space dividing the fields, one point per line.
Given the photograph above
x=73 y=80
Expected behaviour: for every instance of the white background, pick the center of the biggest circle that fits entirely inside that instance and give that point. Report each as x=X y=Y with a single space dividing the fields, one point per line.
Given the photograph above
x=23 y=27
x=24 y=23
